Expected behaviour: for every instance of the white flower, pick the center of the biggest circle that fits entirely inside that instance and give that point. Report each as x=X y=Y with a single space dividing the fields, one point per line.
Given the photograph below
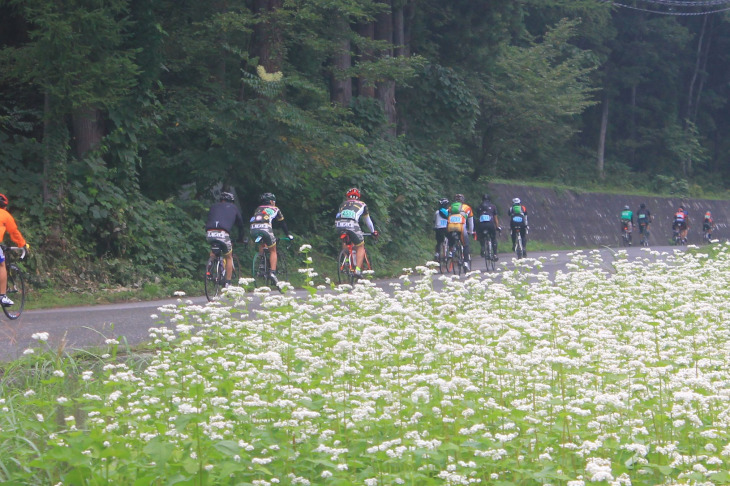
x=40 y=336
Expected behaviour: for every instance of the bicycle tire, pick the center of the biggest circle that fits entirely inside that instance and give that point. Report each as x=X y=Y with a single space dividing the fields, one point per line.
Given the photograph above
x=282 y=267
x=443 y=254
x=236 y=274
x=489 y=256
x=457 y=261
x=260 y=270
x=15 y=291
x=213 y=283
x=345 y=270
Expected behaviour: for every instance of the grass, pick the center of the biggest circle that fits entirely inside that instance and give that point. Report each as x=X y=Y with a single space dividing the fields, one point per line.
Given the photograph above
x=590 y=378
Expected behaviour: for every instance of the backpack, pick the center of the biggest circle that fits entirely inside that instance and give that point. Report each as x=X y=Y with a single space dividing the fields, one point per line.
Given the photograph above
x=517 y=209
x=455 y=208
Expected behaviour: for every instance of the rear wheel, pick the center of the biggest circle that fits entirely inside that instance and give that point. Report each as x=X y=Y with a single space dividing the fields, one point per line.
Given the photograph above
x=15 y=292
x=457 y=260
x=345 y=268
x=443 y=254
x=518 y=246
x=489 y=255
x=213 y=278
x=260 y=270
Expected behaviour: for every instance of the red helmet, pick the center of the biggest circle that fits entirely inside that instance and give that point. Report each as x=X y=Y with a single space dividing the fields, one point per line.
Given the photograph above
x=3 y=201
x=353 y=193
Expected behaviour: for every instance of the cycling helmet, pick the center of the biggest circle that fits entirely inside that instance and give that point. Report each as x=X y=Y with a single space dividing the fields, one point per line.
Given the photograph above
x=459 y=198
x=227 y=196
x=353 y=193
x=267 y=197
x=708 y=214
x=516 y=200
x=485 y=197
x=443 y=202
x=3 y=201
x=642 y=205
x=627 y=208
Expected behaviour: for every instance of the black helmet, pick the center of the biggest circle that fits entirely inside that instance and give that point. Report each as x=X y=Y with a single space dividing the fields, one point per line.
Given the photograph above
x=443 y=202
x=227 y=196
x=642 y=205
x=459 y=198
x=267 y=197
x=485 y=197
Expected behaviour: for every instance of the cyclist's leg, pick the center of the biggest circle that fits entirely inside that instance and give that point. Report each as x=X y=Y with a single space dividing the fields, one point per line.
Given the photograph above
x=493 y=236
x=440 y=235
x=358 y=241
x=513 y=235
x=465 y=242
x=523 y=236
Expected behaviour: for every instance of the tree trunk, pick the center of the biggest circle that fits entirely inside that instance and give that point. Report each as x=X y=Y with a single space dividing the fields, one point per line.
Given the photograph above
x=602 y=137
x=267 y=43
x=55 y=173
x=399 y=36
x=385 y=90
x=341 y=88
x=366 y=87
x=88 y=130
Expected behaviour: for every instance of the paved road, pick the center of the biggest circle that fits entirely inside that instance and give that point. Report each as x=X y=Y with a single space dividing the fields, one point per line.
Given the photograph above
x=89 y=327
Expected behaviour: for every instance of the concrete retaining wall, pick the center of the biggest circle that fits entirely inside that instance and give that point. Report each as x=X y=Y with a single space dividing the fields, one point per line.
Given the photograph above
x=569 y=218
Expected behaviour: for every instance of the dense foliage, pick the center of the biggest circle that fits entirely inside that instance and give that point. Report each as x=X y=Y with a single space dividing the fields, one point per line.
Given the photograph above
x=120 y=119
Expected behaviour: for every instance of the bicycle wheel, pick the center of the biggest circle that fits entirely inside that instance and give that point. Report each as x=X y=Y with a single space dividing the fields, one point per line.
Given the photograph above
x=518 y=246
x=489 y=256
x=236 y=271
x=345 y=268
x=443 y=254
x=282 y=267
x=260 y=270
x=457 y=260
x=16 y=292
x=213 y=278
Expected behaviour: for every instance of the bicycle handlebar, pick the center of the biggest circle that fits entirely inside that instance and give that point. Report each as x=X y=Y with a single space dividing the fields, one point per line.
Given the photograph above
x=23 y=251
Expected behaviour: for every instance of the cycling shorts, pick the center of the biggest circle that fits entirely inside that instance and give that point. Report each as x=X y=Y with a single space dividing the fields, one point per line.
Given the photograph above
x=352 y=229
x=265 y=231
x=219 y=238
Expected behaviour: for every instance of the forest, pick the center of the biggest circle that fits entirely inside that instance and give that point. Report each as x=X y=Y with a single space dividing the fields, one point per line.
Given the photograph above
x=120 y=120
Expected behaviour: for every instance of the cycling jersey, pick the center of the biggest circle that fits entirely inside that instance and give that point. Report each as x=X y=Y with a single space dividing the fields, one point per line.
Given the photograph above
x=440 y=219
x=643 y=216
x=486 y=213
x=347 y=220
x=223 y=216
x=627 y=215
x=261 y=223
x=8 y=223
x=517 y=215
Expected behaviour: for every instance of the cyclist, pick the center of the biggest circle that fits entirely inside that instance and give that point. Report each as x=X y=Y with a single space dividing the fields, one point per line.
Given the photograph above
x=347 y=221
x=487 y=220
x=627 y=221
x=262 y=225
x=7 y=223
x=644 y=219
x=463 y=225
x=681 y=223
x=440 y=222
x=518 y=221
x=222 y=216
x=708 y=224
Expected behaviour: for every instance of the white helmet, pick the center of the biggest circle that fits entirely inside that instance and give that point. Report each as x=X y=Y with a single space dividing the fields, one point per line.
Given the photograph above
x=516 y=200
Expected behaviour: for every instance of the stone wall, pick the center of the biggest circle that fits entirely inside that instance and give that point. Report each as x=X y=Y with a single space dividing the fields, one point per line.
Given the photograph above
x=582 y=219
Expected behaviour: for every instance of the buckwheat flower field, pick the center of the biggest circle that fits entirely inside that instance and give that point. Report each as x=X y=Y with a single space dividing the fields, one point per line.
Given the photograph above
x=587 y=376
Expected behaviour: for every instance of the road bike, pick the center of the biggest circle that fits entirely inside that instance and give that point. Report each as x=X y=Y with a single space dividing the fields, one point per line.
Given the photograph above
x=678 y=240
x=443 y=255
x=490 y=258
x=347 y=261
x=707 y=235
x=644 y=238
x=455 y=257
x=215 y=272
x=625 y=235
x=261 y=265
x=16 y=281
x=519 y=248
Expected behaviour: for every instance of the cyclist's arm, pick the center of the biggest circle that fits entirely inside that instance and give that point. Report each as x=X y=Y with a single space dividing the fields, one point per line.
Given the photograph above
x=12 y=229
x=368 y=222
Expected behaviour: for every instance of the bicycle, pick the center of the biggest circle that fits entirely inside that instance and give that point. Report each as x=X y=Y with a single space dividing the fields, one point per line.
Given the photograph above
x=519 y=248
x=625 y=235
x=215 y=272
x=16 y=282
x=455 y=258
x=707 y=235
x=490 y=257
x=644 y=235
x=347 y=261
x=443 y=255
x=261 y=264
x=677 y=240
